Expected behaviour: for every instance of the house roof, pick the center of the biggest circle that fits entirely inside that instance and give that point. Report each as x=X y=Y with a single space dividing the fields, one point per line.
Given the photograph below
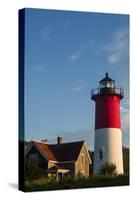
x=45 y=150
x=63 y=152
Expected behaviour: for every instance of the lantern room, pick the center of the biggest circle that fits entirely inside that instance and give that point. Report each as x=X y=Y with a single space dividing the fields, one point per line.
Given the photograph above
x=107 y=87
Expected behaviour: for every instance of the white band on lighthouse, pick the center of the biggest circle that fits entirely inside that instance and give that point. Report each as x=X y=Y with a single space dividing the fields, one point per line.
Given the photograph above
x=108 y=148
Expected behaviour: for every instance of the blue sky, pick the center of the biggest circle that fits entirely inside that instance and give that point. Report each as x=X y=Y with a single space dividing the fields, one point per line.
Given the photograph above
x=66 y=55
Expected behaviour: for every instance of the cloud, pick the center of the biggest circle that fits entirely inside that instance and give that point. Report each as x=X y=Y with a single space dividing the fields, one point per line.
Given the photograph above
x=118 y=48
x=45 y=33
x=85 y=46
x=114 y=57
x=125 y=127
x=75 y=56
x=38 y=69
x=67 y=23
x=125 y=118
x=124 y=109
x=77 y=89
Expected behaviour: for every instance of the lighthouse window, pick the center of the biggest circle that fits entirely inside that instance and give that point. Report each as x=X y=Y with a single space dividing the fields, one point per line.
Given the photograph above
x=108 y=85
x=103 y=85
x=100 y=154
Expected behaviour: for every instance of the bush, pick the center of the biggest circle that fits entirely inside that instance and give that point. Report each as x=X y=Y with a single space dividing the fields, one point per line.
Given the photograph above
x=108 y=169
x=44 y=184
x=32 y=171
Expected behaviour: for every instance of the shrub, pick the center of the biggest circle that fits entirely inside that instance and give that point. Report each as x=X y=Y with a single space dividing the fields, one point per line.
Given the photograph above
x=32 y=171
x=77 y=182
x=108 y=169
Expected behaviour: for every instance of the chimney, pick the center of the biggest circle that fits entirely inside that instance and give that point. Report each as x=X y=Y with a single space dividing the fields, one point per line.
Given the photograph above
x=59 y=140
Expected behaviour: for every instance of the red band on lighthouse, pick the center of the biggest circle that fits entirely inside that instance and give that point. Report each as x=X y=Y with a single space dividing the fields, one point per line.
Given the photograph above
x=107 y=112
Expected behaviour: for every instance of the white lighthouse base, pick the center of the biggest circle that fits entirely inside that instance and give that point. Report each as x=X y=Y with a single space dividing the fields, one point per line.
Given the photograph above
x=108 y=148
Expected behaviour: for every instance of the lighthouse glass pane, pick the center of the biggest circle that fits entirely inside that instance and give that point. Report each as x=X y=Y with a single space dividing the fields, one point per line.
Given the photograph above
x=112 y=85
x=103 y=85
x=109 y=85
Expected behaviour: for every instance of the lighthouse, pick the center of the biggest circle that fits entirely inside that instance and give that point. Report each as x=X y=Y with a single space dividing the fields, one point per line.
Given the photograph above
x=108 y=135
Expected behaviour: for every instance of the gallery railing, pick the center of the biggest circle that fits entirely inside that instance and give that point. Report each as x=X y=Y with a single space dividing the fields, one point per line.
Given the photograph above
x=106 y=91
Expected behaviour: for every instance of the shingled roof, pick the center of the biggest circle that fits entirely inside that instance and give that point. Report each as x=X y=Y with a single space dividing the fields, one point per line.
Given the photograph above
x=59 y=152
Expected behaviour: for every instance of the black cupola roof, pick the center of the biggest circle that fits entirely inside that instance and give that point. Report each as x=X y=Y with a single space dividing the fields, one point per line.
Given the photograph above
x=106 y=78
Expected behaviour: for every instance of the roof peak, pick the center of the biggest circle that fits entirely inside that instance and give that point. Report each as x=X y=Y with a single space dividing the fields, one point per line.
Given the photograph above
x=59 y=152
x=39 y=141
x=106 y=74
x=106 y=78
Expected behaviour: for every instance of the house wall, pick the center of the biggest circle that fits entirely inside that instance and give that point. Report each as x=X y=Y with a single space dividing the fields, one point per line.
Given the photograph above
x=51 y=164
x=82 y=163
x=70 y=166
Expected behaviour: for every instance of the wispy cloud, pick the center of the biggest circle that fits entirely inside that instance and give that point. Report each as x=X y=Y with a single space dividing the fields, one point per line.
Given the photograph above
x=125 y=122
x=77 y=88
x=114 y=57
x=75 y=56
x=117 y=49
x=46 y=33
x=125 y=117
x=85 y=46
x=38 y=68
x=124 y=109
x=67 y=23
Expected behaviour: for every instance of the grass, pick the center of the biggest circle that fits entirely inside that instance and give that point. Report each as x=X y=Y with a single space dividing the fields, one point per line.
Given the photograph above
x=44 y=184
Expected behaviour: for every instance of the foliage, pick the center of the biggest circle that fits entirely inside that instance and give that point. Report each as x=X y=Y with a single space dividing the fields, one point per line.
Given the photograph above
x=73 y=183
x=126 y=160
x=108 y=169
x=92 y=159
x=33 y=171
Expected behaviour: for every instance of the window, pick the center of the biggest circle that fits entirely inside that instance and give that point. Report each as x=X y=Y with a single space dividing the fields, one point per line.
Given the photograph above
x=82 y=159
x=103 y=85
x=112 y=85
x=100 y=154
x=107 y=84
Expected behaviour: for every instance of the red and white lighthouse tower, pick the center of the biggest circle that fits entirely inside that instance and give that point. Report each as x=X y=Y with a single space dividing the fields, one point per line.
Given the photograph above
x=108 y=136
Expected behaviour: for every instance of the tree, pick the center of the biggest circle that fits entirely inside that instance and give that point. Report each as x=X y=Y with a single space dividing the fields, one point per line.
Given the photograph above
x=32 y=170
x=126 y=160
x=108 y=169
